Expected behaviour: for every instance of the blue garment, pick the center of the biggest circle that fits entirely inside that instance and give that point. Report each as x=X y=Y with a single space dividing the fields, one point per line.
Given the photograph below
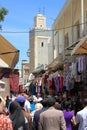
x=32 y=106
x=32 y=89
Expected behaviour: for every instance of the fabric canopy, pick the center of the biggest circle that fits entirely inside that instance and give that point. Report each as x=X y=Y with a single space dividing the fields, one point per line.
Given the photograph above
x=9 y=55
x=81 y=47
x=55 y=63
x=38 y=70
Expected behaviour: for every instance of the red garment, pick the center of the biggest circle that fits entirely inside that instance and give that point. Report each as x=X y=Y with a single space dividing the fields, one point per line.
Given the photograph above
x=45 y=78
x=5 y=123
x=50 y=83
x=20 y=88
x=61 y=83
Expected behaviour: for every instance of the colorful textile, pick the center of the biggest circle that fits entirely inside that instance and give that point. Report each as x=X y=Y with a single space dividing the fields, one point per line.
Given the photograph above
x=5 y=123
x=14 y=82
x=68 y=116
x=57 y=83
x=45 y=78
x=61 y=83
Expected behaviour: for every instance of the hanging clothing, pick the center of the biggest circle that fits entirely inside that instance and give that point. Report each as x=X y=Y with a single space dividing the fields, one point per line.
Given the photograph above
x=53 y=86
x=14 y=82
x=32 y=89
x=39 y=86
x=74 y=68
x=61 y=83
x=67 y=84
x=57 y=83
x=45 y=78
x=49 y=81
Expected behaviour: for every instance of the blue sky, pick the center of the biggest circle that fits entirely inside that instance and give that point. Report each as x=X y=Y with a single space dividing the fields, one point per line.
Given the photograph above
x=20 y=20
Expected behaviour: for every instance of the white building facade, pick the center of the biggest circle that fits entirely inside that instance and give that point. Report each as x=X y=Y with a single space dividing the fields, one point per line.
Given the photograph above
x=40 y=43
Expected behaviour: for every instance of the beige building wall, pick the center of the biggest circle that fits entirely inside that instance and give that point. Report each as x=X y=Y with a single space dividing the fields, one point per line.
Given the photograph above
x=32 y=52
x=25 y=69
x=70 y=25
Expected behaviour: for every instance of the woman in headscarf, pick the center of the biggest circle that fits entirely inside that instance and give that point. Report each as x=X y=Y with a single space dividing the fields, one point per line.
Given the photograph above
x=17 y=117
x=21 y=100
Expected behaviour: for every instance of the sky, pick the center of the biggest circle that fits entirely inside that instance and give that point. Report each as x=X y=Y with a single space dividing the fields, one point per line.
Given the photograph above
x=20 y=19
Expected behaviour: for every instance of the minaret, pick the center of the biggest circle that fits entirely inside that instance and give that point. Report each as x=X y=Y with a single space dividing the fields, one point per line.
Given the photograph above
x=40 y=21
x=39 y=40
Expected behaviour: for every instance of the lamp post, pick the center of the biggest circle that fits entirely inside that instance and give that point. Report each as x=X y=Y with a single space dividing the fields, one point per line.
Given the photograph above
x=28 y=52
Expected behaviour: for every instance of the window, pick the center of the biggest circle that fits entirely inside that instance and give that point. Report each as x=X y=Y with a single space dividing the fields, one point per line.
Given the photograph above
x=42 y=44
x=66 y=40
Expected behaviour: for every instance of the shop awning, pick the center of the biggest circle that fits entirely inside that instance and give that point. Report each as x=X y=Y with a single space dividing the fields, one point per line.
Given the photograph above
x=9 y=55
x=54 y=64
x=38 y=69
x=69 y=49
x=72 y=46
x=81 y=47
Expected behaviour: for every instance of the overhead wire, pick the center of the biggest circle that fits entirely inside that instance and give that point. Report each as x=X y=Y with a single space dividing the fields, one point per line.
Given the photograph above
x=42 y=30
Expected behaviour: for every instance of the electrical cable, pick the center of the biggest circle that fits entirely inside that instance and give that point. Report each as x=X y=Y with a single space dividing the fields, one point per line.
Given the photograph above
x=43 y=30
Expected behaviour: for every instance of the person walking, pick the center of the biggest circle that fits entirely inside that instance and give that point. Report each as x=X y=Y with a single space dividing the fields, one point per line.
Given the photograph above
x=5 y=122
x=81 y=117
x=51 y=119
x=7 y=101
x=21 y=100
x=27 y=103
x=18 y=120
x=38 y=112
x=68 y=115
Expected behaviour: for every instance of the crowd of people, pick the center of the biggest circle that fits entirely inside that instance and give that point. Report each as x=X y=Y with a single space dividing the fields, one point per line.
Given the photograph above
x=34 y=112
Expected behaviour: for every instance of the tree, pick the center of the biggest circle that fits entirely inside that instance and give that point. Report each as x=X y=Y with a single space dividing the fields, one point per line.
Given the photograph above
x=3 y=12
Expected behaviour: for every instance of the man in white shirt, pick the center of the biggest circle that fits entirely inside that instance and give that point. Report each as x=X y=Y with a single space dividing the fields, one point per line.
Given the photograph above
x=27 y=103
x=37 y=98
x=81 y=117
